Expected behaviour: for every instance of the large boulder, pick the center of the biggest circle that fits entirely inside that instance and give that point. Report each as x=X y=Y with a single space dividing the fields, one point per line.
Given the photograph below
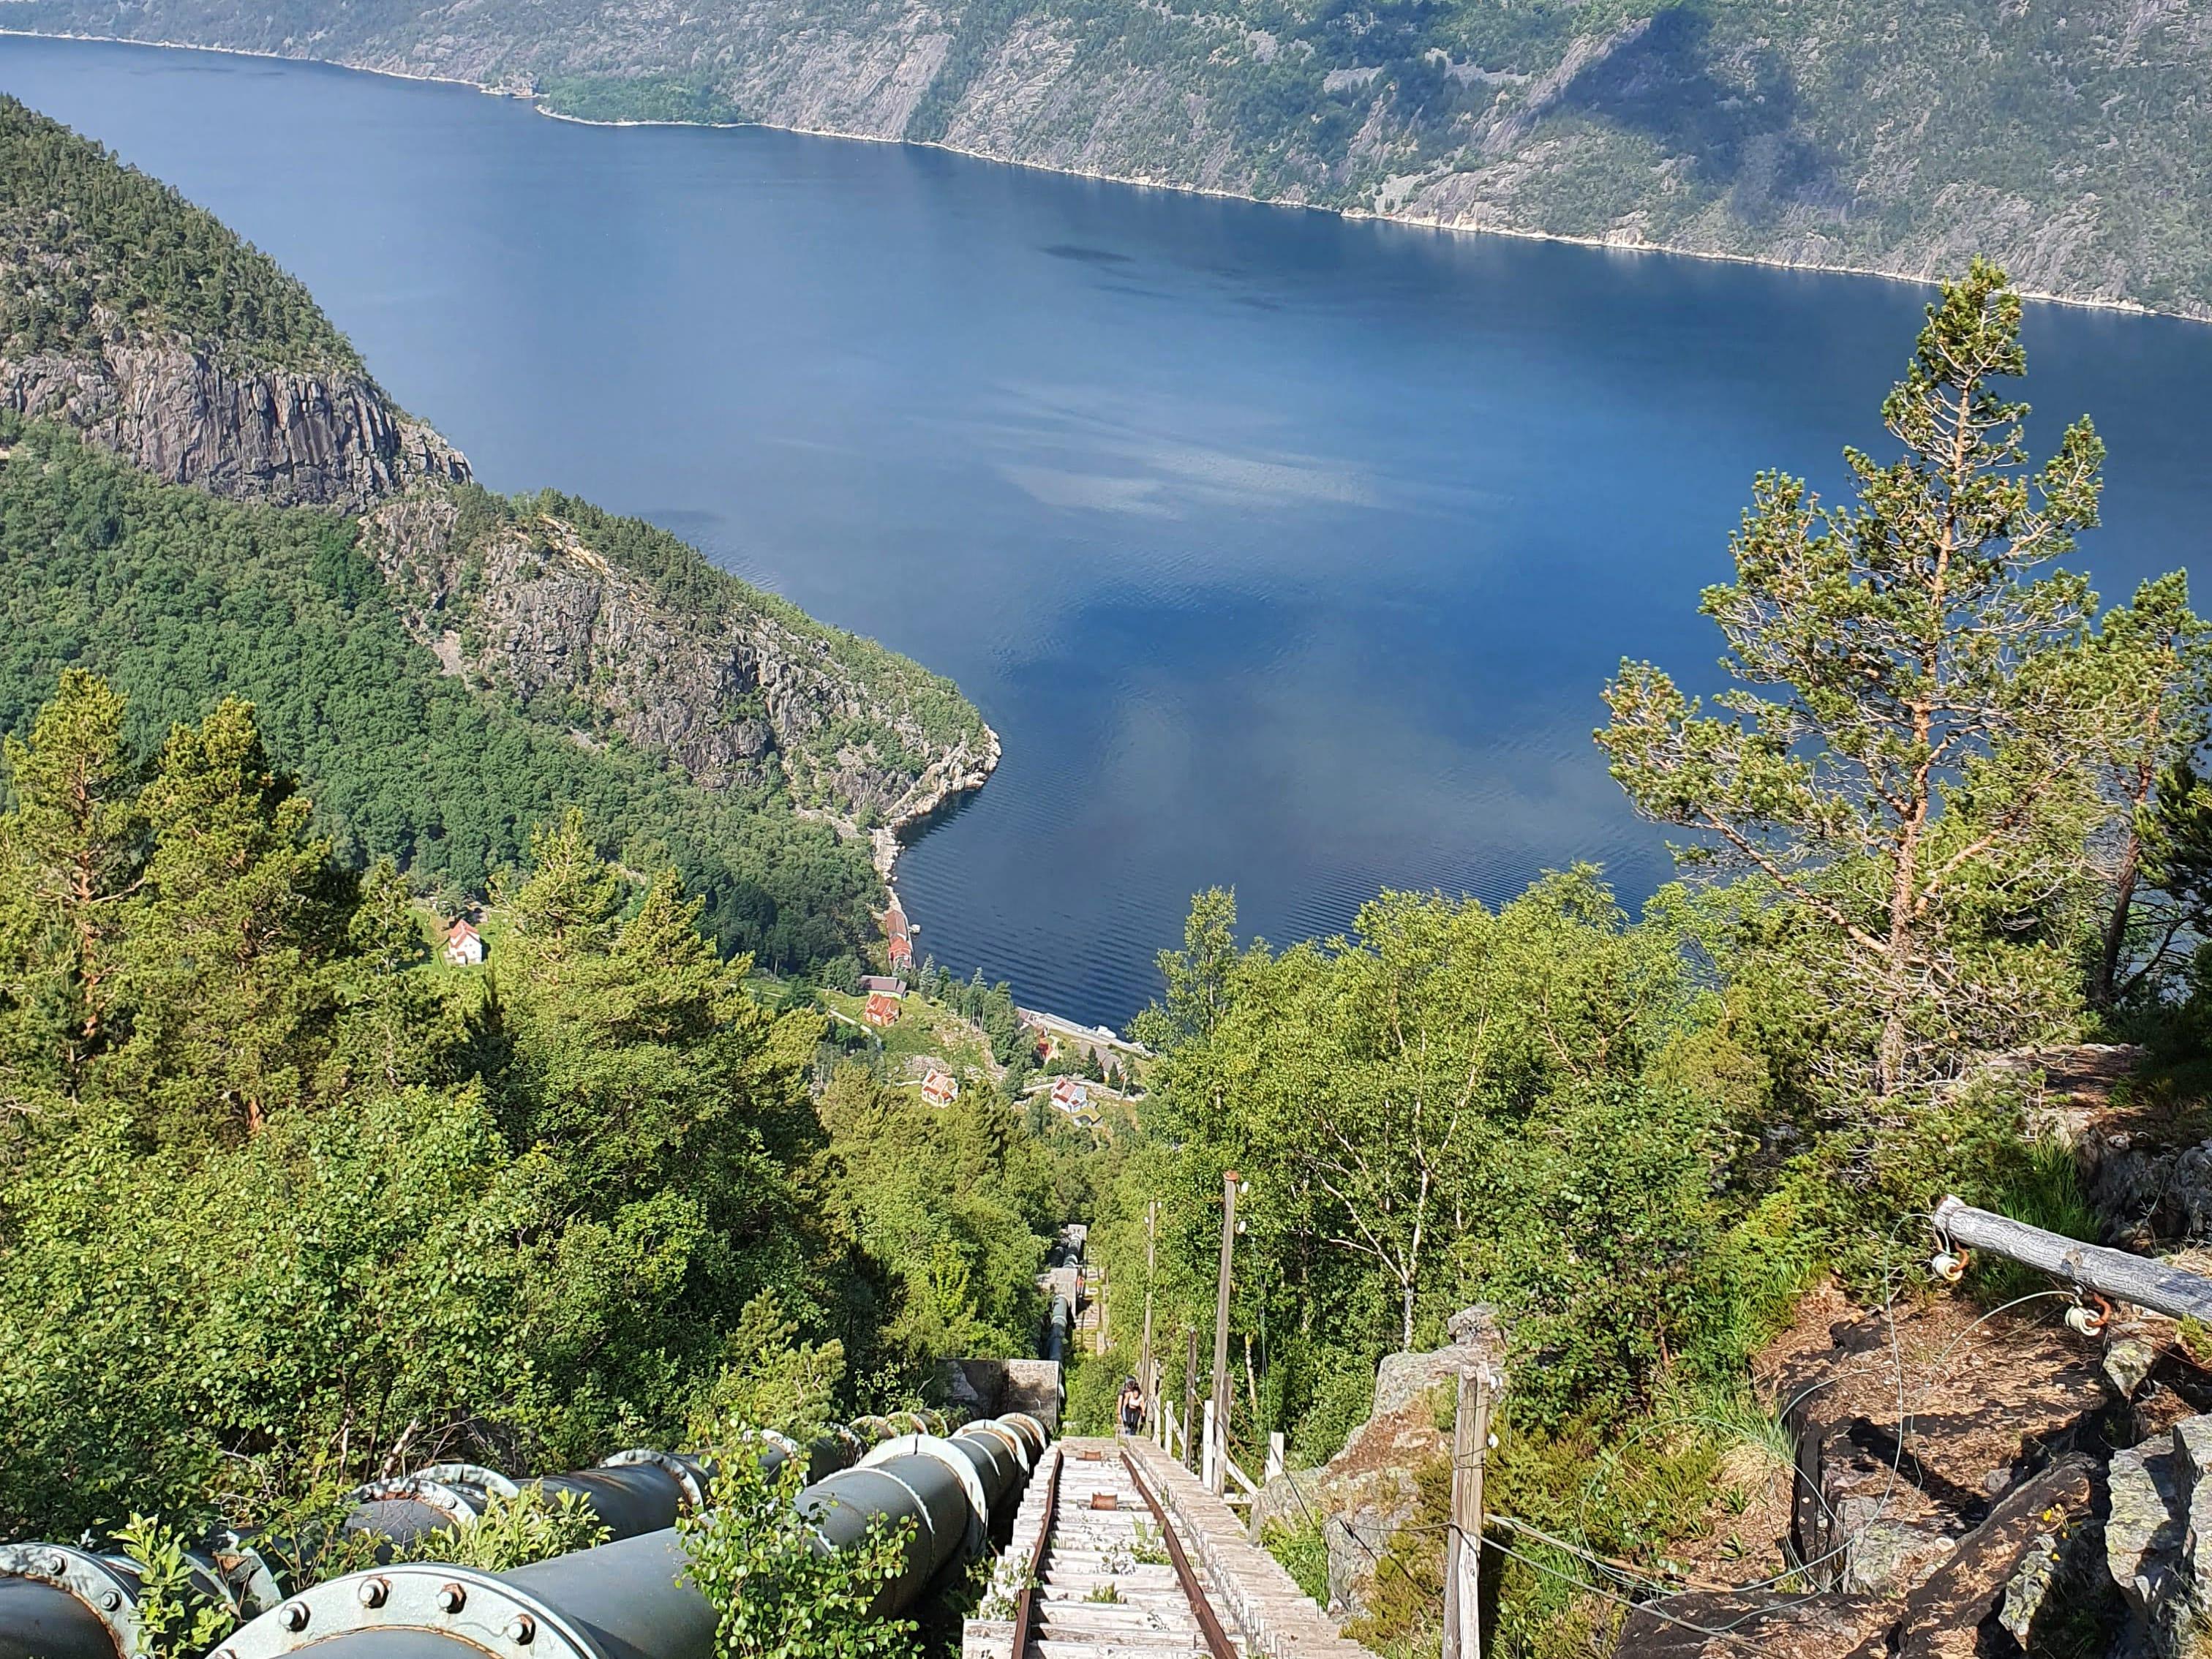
x=1365 y=1494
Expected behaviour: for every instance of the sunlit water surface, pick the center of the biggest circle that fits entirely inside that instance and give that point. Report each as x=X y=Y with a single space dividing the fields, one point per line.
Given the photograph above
x=1285 y=553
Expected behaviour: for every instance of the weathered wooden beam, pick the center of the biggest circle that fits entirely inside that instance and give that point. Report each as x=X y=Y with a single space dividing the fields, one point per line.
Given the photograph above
x=2113 y=1275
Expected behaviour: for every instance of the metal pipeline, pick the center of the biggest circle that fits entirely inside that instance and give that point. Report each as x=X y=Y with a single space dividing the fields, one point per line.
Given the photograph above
x=62 y=1603
x=1057 y=1325
x=628 y=1599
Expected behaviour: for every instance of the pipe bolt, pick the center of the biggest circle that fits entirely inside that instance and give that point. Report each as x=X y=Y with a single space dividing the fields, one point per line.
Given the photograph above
x=521 y=1629
x=292 y=1615
x=373 y=1592
x=110 y=1600
x=452 y=1598
x=57 y=1563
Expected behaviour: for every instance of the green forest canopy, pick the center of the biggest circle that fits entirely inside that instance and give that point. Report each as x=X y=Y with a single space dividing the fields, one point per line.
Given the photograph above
x=182 y=599
x=91 y=249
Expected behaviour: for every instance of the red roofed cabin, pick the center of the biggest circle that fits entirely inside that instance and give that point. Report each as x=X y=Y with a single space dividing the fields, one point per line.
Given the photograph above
x=939 y=1088
x=900 y=934
x=881 y=1009
x=463 y=945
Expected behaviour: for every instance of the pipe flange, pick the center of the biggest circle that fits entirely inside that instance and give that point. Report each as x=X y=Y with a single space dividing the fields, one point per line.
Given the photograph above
x=491 y=1482
x=245 y=1569
x=941 y=1451
x=475 y=1607
x=1017 y=1446
x=689 y=1486
x=106 y=1588
x=1022 y=1422
x=457 y=1504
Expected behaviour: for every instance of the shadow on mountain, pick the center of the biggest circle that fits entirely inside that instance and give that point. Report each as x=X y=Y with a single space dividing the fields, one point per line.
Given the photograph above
x=1737 y=124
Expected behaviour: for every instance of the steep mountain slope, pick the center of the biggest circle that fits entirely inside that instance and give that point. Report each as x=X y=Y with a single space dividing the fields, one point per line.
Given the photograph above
x=2074 y=144
x=445 y=667
x=139 y=319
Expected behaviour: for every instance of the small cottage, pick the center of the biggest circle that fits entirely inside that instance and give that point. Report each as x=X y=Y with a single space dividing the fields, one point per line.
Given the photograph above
x=881 y=1009
x=1070 y=1094
x=463 y=946
x=939 y=1088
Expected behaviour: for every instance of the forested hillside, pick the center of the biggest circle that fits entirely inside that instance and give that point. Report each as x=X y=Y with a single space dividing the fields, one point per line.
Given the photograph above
x=443 y=668
x=288 y=1200
x=2072 y=143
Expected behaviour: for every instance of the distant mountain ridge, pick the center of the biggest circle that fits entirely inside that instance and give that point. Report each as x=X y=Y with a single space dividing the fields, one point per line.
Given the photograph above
x=446 y=667
x=2072 y=144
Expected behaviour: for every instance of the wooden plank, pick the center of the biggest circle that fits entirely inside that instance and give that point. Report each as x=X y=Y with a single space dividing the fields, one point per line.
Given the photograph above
x=1216 y=1639
x=1025 y=1602
x=2114 y=1275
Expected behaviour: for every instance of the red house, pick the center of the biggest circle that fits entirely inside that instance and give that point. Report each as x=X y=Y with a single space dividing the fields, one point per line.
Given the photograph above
x=939 y=1088
x=899 y=933
x=881 y=1009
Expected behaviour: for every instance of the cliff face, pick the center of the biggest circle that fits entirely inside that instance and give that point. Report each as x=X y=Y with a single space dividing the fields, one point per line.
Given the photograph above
x=284 y=436
x=2070 y=143
x=737 y=694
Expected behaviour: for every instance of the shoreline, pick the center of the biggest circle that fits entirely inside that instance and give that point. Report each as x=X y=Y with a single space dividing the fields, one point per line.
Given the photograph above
x=1435 y=225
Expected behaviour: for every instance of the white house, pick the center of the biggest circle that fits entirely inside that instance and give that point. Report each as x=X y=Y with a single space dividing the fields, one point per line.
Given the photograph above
x=463 y=945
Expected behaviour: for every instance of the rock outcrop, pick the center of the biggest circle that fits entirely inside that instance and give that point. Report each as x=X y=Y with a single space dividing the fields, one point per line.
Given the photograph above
x=282 y=437
x=1370 y=1489
x=739 y=695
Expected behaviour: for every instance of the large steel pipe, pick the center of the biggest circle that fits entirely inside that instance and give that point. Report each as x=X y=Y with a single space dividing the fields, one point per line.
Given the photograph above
x=628 y=1599
x=62 y=1603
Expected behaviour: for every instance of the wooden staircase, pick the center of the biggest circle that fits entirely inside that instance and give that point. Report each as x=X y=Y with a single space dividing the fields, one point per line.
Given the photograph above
x=1105 y=1587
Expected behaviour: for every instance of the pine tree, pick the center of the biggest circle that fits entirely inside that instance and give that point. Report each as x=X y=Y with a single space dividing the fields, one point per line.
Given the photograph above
x=1904 y=650
x=242 y=916
x=71 y=853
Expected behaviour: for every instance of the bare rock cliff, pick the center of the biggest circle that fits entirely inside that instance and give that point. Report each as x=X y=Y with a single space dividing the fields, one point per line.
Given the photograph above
x=744 y=697
x=276 y=435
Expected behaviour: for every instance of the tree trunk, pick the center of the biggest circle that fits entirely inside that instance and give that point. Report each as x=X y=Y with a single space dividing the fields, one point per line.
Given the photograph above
x=1406 y=1303
x=2103 y=984
x=1889 y=1073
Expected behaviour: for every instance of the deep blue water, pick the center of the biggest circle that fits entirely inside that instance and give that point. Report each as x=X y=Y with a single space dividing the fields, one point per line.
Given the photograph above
x=1283 y=552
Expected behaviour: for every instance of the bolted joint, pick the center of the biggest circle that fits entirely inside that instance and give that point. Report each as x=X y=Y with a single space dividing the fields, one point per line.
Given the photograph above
x=373 y=1591
x=452 y=1598
x=521 y=1629
x=292 y=1615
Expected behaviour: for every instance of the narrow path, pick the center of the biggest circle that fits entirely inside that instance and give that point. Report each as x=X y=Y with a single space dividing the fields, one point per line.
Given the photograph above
x=1105 y=1587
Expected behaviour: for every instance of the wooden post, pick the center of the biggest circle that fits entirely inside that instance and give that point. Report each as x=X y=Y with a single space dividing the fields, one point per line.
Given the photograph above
x=1217 y=1422
x=1148 y=1383
x=1274 y=1457
x=1463 y=1543
x=1210 y=1469
x=1189 y=1394
x=2114 y=1273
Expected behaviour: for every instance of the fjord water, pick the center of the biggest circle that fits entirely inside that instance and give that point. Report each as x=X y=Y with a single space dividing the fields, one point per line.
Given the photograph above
x=1283 y=552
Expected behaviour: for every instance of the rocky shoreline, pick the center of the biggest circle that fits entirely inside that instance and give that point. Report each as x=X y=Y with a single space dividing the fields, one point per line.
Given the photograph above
x=1618 y=243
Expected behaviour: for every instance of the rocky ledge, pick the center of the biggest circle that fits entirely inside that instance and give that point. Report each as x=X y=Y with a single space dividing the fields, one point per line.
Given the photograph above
x=282 y=437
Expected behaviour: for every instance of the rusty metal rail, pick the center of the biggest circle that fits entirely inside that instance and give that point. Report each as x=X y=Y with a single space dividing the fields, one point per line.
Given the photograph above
x=1023 y=1602
x=1216 y=1639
